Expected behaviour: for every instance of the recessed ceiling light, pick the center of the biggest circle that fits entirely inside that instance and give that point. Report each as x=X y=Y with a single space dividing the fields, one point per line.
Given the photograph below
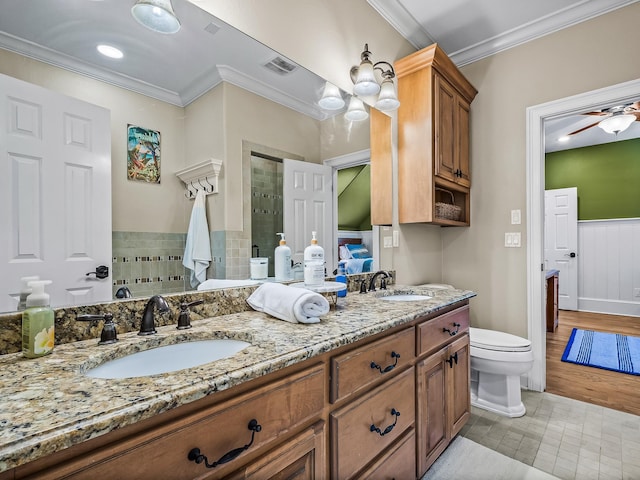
x=109 y=51
x=566 y=138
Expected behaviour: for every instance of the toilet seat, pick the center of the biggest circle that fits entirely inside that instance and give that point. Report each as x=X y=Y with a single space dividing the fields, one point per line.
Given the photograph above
x=497 y=341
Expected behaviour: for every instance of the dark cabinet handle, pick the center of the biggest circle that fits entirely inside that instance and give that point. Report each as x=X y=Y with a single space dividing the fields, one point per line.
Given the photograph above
x=101 y=272
x=388 y=368
x=373 y=428
x=457 y=325
x=452 y=358
x=195 y=455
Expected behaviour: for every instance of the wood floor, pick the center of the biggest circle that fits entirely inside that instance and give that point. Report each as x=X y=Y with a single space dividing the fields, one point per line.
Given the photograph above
x=620 y=391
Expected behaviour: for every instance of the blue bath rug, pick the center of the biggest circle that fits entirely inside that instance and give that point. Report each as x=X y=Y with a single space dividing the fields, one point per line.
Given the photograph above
x=610 y=351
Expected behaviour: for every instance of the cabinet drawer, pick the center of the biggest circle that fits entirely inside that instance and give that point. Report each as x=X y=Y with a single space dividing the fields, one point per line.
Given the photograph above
x=353 y=443
x=278 y=408
x=438 y=331
x=399 y=463
x=352 y=371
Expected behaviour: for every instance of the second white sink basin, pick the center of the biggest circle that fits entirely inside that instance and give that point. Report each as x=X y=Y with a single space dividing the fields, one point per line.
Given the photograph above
x=404 y=297
x=168 y=358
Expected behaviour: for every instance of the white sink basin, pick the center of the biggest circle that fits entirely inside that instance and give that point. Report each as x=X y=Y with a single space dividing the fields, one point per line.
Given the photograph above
x=405 y=297
x=168 y=358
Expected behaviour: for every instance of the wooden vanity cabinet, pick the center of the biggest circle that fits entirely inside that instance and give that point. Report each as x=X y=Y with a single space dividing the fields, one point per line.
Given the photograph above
x=433 y=138
x=384 y=407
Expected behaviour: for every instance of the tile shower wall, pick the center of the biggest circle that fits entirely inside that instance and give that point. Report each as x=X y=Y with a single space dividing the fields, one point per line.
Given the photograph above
x=149 y=263
x=266 y=207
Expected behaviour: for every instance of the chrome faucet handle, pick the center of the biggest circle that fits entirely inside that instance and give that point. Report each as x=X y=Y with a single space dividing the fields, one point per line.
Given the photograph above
x=109 y=333
x=184 y=321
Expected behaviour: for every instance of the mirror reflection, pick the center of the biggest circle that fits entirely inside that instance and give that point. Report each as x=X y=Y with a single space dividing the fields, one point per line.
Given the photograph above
x=212 y=93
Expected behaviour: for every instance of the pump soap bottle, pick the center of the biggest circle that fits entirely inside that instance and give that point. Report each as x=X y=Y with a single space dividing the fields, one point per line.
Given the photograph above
x=37 y=322
x=282 y=260
x=313 y=263
x=25 y=291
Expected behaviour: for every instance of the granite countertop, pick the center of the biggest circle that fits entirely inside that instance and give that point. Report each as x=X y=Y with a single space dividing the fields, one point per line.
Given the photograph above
x=48 y=404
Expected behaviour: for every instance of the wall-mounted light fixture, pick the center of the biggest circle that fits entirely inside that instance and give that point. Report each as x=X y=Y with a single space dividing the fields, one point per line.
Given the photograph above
x=366 y=84
x=331 y=97
x=157 y=15
x=356 y=111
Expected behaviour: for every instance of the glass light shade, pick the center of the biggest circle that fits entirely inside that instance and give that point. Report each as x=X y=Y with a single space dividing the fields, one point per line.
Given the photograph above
x=356 y=111
x=156 y=15
x=331 y=98
x=365 y=83
x=617 y=123
x=387 y=100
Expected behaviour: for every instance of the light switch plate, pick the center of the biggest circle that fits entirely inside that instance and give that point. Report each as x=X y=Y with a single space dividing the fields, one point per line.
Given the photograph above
x=512 y=239
x=516 y=217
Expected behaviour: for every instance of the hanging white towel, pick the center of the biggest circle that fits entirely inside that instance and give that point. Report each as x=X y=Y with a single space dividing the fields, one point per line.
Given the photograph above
x=197 y=252
x=288 y=303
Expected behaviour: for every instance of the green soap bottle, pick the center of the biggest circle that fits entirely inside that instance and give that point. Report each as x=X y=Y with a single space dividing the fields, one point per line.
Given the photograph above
x=37 y=322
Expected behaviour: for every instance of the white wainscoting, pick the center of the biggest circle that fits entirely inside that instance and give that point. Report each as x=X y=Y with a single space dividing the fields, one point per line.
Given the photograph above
x=609 y=266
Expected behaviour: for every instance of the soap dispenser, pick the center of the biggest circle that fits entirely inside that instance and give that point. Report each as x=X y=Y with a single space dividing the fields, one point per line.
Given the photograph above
x=37 y=322
x=313 y=263
x=282 y=260
x=25 y=291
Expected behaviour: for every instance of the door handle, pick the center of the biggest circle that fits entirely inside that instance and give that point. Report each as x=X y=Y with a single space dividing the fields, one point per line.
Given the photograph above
x=101 y=272
x=571 y=255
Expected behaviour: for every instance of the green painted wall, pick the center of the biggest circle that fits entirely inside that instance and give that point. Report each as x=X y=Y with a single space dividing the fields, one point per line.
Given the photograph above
x=354 y=198
x=607 y=177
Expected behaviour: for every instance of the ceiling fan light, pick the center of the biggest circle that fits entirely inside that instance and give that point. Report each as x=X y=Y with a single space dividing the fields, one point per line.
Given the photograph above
x=331 y=97
x=156 y=15
x=356 y=111
x=387 y=100
x=617 y=123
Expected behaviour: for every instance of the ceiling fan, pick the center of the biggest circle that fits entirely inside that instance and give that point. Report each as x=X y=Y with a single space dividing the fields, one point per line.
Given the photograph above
x=617 y=119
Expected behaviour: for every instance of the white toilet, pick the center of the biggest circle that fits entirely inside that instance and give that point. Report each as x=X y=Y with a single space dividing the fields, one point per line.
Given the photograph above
x=497 y=361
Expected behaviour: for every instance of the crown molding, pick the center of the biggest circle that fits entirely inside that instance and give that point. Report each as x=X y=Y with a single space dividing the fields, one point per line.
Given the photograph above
x=577 y=13
x=51 y=57
x=239 y=79
x=394 y=13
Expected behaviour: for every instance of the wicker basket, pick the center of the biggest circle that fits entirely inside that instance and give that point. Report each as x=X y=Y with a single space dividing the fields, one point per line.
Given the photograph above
x=448 y=211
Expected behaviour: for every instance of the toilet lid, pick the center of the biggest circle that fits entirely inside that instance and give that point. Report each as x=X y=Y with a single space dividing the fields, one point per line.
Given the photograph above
x=499 y=341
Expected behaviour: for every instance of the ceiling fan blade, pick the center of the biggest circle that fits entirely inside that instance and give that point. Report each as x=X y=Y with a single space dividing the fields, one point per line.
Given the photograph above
x=583 y=129
x=599 y=114
x=636 y=105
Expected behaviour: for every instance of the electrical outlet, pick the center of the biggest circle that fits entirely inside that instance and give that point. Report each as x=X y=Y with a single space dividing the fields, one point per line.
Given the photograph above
x=516 y=217
x=396 y=238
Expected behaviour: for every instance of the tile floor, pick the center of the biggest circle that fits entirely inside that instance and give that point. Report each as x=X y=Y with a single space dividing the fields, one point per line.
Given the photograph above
x=567 y=438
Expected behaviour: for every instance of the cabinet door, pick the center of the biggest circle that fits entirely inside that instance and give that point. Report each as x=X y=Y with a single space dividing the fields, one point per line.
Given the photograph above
x=431 y=421
x=458 y=395
x=445 y=129
x=301 y=458
x=461 y=161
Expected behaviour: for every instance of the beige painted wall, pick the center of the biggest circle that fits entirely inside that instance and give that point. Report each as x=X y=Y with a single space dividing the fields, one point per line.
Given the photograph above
x=585 y=57
x=135 y=205
x=255 y=119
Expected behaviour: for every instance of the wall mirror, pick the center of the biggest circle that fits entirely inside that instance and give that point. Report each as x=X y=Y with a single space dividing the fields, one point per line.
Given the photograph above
x=210 y=90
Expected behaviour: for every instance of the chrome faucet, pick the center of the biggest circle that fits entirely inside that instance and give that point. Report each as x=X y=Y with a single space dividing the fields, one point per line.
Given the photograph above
x=383 y=283
x=148 y=325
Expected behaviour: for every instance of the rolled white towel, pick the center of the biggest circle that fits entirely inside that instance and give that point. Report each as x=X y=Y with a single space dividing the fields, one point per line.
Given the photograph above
x=287 y=303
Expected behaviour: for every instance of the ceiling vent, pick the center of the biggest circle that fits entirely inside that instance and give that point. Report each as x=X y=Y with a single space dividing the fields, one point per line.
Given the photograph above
x=212 y=28
x=281 y=66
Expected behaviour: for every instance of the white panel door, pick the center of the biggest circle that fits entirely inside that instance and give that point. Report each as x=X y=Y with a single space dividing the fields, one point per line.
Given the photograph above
x=308 y=206
x=561 y=242
x=55 y=194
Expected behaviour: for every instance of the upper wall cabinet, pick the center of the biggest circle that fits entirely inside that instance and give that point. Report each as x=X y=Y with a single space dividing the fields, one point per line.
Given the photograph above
x=434 y=176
